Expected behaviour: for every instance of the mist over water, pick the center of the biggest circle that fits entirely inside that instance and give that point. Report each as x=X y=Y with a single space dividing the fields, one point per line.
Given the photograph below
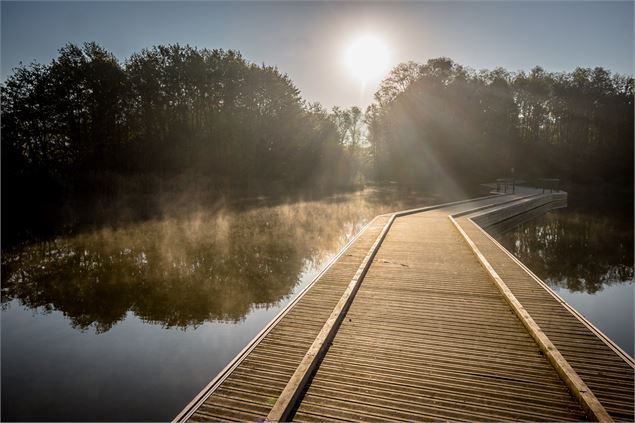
x=166 y=199
x=129 y=323
x=209 y=265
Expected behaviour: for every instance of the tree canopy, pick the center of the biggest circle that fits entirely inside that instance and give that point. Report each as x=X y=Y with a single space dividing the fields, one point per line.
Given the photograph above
x=441 y=119
x=86 y=125
x=80 y=131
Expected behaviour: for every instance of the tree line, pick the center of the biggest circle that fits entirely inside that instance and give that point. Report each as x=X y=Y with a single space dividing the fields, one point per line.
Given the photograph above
x=87 y=127
x=89 y=132
x=441 y=119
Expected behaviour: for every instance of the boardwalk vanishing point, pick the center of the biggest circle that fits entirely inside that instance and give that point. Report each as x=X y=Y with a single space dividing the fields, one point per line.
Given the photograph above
x=424 y=317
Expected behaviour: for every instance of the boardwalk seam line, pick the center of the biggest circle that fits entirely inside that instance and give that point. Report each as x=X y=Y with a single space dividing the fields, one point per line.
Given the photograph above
x=589 y=402
x=286 y=401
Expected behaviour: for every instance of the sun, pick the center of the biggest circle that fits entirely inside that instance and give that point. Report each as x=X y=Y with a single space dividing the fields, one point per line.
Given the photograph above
x=367 y=58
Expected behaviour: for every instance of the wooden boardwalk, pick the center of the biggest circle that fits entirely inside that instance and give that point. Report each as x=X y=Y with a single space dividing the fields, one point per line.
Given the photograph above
x=425 y=317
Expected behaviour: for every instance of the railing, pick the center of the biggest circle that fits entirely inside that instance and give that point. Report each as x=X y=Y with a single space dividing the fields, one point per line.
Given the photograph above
x=551 y=184
x=503 y=184
x=508 y=185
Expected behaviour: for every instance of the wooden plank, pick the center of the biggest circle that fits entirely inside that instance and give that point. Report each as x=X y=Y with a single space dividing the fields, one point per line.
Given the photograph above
x=577 y=386
x=286 y=401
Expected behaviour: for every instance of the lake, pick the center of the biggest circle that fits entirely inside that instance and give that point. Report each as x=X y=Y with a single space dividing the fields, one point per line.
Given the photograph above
x=129 y=323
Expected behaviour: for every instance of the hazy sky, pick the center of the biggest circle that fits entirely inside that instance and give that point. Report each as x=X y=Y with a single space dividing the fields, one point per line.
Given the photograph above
x=307 y=40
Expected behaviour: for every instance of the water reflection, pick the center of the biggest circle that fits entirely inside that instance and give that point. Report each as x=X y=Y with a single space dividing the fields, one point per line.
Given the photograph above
x=181 y=272
x=586 y=256
x=576 y=250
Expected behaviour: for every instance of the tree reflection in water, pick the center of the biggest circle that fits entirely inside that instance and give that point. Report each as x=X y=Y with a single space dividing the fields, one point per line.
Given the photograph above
x=577 y=250
x=181 y=272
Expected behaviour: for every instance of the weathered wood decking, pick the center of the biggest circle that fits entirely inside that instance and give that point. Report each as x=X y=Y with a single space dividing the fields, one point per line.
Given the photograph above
x=426 y=317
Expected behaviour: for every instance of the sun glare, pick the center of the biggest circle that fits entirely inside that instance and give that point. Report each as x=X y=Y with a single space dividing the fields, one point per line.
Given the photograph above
x=367 y=58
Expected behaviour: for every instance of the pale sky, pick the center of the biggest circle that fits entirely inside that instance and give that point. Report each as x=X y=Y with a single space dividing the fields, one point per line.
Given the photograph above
x=308 y=40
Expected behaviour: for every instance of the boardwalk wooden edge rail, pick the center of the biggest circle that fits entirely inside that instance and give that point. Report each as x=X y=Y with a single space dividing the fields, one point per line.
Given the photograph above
x=286 y=402
x=581 y=391
x=191 y=407
x=612 y=345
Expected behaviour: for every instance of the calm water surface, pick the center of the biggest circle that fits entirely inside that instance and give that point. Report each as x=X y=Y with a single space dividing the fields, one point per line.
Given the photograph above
x=585 y=253
x=130 y=323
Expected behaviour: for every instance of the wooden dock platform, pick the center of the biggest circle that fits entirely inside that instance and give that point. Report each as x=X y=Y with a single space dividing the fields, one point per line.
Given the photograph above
x=423 y=316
